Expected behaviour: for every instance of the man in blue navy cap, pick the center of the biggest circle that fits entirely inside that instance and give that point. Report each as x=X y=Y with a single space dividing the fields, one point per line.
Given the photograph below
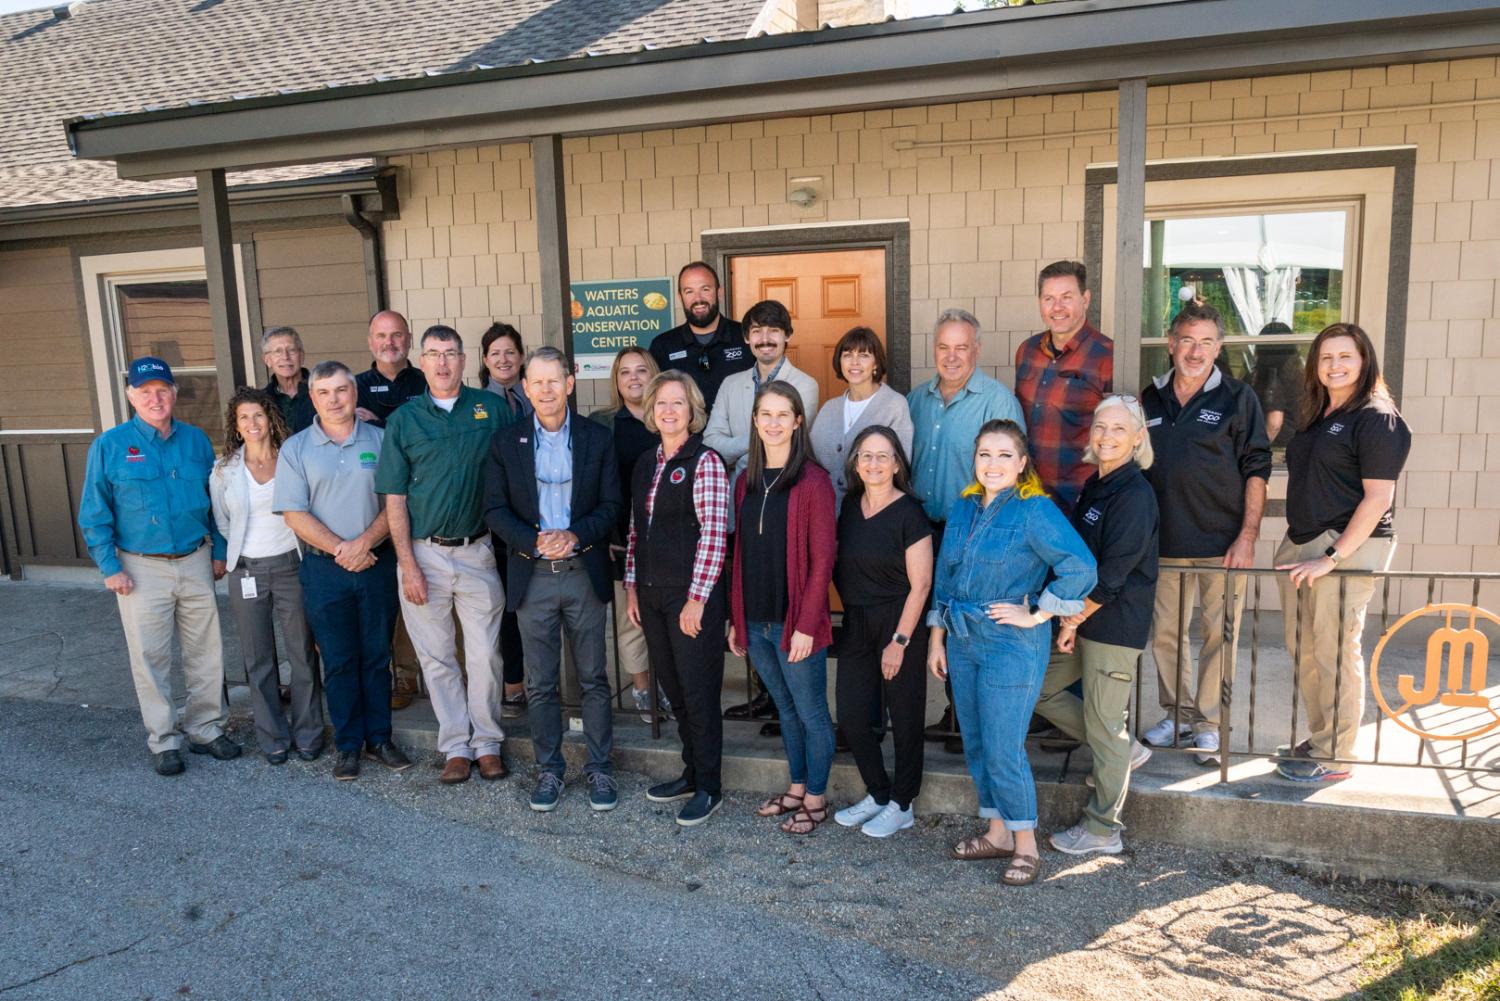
x=148 y=523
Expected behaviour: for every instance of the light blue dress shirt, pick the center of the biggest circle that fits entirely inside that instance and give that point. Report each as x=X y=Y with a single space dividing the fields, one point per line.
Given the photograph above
x=943 y=440
x=554 y=474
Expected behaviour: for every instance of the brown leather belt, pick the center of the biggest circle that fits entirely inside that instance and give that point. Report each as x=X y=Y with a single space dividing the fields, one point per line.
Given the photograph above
x=165 y=556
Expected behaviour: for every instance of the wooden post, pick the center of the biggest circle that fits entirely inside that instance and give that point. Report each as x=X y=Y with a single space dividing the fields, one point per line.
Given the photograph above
x=1130 y=223
x=223 y=286
x=552 y=242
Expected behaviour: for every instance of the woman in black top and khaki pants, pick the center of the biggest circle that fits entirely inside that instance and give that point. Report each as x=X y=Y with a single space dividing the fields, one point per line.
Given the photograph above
x=1342 y=468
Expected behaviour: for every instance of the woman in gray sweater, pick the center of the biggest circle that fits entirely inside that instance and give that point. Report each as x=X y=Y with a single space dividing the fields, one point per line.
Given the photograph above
x=859 y=360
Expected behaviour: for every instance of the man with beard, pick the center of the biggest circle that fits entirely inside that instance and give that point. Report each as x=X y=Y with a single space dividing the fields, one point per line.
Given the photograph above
x=391 y=379
x=709 y=347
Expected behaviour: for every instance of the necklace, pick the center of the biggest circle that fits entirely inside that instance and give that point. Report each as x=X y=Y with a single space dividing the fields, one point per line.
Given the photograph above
x=766 y=495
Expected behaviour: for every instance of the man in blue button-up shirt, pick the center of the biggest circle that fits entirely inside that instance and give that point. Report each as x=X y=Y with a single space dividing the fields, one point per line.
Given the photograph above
x=148 y=522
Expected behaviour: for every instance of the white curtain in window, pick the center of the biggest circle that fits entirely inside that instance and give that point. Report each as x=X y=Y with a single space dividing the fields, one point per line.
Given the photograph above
x=1261 y=295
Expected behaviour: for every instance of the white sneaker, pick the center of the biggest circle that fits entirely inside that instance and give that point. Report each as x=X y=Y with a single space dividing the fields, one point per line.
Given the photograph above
x=1077 y=840
x=888 y=821
x=1139 y=755
x=1207 y=746
x=1160 y=735
x=853 y=816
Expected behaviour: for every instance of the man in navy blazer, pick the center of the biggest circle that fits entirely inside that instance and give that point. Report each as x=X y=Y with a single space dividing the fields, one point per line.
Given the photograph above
x=552 y=492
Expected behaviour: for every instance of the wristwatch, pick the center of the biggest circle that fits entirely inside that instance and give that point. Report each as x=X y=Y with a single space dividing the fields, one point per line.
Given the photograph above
x=900 y=639
x=1333 y=554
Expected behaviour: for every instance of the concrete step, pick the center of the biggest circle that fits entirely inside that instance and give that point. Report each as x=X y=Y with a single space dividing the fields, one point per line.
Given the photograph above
x=1385 y=822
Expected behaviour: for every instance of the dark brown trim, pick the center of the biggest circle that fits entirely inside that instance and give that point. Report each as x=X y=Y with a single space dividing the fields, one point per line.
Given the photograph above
x=893 y=237
x=1401 y=160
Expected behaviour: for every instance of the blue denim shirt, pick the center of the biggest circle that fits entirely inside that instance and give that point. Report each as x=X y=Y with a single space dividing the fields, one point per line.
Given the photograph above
x=1005 y=552
x=147 y=494
x=942 y=451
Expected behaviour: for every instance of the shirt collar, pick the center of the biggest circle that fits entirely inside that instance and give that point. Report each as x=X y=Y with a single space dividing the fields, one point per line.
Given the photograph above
x=775 y=372
x=566 y=430
x=1074 y=343
x=150 y=433
x=1215 y=378
x=274 y=386
x=320 y=437
x=934 y=387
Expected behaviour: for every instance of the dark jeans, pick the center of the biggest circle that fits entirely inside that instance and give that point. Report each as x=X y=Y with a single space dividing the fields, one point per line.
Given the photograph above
x=800 y=692
x=512 y=656
x=858 y=687
x=352 y=616
x=691 y=672
x=278 y=599
x=555 y=602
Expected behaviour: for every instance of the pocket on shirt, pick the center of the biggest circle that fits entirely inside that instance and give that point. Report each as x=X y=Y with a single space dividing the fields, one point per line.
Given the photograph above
x=132 y=486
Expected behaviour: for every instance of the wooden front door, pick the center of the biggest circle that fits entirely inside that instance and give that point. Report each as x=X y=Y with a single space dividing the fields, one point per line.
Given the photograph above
x=827 y=292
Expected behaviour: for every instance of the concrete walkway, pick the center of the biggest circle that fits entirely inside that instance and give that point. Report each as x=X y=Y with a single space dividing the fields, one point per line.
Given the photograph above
x=60 y=641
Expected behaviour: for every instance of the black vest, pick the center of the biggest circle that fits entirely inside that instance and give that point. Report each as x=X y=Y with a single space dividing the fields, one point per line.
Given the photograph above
x=666 y=542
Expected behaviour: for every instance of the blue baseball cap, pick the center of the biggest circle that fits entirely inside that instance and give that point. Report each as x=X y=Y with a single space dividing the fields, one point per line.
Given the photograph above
x=148 y=369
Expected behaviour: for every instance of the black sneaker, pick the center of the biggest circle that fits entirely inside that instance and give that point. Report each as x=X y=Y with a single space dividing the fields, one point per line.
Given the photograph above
x=698 y=809
x=276 y=757
x=953 y=745
x=221 y=747
x=604 y=792
x=309 y=755
x=943 y=728
x=347 y=767
x=168 y=762
x=390 y=755
x=671 y=792
x=771 y=729
x=548 y=791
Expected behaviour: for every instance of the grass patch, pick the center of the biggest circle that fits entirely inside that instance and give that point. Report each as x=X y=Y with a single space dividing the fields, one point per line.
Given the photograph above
x=1439 y=950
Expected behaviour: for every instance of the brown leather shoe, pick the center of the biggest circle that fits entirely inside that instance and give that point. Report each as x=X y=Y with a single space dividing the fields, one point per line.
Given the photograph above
x=456 y=771
x=403 y=691
x=492 y=767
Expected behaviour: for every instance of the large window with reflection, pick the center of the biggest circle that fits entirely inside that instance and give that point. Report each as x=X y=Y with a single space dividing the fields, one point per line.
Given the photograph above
x=1276 y=275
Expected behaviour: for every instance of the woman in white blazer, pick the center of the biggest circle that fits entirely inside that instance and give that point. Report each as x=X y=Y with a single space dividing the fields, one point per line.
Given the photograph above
x=263 y=560
x=859 y=360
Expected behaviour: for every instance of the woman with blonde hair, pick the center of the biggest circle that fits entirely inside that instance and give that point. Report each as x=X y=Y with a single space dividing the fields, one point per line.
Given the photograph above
x=628 y=419
x=674 y=583
x=1004 y=539
x=263 y=559
x=1101 y=646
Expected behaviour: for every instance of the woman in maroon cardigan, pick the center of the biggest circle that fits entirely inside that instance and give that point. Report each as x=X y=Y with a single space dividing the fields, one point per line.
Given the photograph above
x=778 y=605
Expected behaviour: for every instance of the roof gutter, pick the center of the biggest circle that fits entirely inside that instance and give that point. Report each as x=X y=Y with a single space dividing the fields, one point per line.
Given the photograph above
x=1087 y=44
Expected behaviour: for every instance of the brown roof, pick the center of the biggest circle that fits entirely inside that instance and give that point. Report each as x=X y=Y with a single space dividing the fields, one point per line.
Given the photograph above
x=130 y=55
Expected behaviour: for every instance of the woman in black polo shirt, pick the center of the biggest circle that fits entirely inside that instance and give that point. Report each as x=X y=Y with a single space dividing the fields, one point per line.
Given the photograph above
x=1342 y=467
x=674 y=582
x=884 y=575
x=1101 y=646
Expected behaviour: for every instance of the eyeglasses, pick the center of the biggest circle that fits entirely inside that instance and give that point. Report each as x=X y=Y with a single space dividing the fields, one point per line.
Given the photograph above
x=705 y=363
x=284 y=352
x=878 y=458
x=449 y=356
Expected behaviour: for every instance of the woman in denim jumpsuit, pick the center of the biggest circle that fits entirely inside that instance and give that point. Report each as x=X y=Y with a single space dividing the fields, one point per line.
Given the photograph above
x=1009 y=562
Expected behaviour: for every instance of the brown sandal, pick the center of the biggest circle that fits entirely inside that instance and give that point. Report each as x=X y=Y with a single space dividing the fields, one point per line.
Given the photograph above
x=979 y=847
x=1022 y=871
x=777 y=806
x=806 y=820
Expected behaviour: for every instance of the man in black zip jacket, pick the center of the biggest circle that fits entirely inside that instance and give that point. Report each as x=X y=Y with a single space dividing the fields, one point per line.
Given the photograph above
x=1213 y=458
x=708 y=346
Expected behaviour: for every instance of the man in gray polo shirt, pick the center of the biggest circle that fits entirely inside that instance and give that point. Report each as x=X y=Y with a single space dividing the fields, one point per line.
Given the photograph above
x=325 y=488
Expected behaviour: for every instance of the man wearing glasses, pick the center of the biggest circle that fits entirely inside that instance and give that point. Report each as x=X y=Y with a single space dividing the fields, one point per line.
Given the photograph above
x=709 y=347
x=431 y=469
x=281 y=350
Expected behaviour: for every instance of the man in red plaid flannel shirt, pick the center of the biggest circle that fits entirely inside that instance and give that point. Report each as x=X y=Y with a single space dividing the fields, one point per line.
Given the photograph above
x=1061 y=375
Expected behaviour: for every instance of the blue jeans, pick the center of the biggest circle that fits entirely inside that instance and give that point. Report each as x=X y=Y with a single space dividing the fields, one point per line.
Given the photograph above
x=997 y=672
x=353 y=616
x=800 y=692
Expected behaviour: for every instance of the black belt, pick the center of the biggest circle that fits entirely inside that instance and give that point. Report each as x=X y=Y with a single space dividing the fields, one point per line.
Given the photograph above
x=165 y=556
x=558 y=566
x=378 y=551
x=438 y=540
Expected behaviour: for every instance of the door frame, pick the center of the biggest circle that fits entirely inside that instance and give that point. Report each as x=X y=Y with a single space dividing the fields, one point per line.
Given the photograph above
x=890 y=235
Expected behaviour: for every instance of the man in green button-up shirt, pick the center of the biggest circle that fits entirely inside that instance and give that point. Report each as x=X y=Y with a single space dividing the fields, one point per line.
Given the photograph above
x=431 y=471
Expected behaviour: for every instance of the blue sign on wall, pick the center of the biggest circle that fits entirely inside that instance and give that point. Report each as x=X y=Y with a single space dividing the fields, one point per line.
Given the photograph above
x=611 y=315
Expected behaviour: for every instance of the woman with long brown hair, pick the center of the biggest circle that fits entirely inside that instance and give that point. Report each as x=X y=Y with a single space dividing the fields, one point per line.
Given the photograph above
x=263 y=560
x=1342 y=468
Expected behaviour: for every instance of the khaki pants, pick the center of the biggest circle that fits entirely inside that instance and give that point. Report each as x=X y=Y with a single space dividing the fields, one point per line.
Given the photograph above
x=1332 y=692
x=1099 y=719
x=631 y=645
x=174 y=596
x=1197 y=708
x=462 y=584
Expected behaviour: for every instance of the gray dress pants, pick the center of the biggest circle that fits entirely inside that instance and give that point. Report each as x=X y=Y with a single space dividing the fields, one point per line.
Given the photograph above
x=278 y=597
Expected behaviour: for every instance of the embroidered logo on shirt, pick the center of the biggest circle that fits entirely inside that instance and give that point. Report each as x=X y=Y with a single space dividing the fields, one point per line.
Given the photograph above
x=481 y=414
x=367 y=460
x=1209 y=417
x=733 y=354
x=1092 y=516
x=678 y=475
x=1335 y=428
x=133 y=454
